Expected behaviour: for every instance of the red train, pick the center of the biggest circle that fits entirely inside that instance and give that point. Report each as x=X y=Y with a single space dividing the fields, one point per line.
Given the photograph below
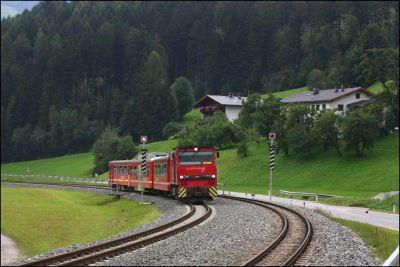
x=187 y=173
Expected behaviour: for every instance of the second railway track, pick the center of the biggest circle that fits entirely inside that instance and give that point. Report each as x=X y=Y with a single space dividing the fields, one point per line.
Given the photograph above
x=291 y=241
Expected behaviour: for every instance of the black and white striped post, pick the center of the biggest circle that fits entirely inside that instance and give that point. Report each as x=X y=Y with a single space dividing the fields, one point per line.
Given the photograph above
x=272 y=137
x=143 y=140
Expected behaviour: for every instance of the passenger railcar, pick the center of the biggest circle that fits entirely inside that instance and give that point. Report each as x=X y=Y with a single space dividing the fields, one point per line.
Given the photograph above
x=187 y=173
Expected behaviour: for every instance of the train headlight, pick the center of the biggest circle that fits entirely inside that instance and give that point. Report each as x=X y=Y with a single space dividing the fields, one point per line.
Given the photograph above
x=196 y=149
x=213 y=176
x=181 y=177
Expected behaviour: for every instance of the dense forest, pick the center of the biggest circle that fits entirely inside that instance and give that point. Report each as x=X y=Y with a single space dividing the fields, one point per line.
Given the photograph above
x=69 y=69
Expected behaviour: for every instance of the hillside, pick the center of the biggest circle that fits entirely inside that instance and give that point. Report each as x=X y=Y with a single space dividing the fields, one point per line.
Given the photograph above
x=71 y=68
x=326 y=172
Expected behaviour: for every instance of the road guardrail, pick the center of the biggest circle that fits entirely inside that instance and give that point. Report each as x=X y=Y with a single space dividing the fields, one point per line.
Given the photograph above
x=316 y=195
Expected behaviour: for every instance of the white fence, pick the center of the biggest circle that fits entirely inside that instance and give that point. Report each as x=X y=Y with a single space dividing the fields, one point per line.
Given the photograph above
x=61 y=178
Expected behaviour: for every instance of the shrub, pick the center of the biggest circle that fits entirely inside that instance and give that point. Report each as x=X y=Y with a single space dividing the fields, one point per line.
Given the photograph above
x=242 y=150
x=109 y=146
x=214 y=131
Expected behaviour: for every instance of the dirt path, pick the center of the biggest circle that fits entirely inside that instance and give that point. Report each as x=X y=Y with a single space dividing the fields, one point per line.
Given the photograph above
x=9 y=251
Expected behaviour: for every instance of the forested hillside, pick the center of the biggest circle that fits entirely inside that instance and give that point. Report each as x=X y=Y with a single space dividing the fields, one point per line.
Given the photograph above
x=68 y=69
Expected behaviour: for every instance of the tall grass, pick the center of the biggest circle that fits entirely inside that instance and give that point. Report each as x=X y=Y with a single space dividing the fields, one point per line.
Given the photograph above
x=383 y=241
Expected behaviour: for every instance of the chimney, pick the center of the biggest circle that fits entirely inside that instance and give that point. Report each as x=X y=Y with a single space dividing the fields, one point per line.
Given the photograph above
x=315 y=91
x=336 y=89
x=342 y=88
x=230 y=95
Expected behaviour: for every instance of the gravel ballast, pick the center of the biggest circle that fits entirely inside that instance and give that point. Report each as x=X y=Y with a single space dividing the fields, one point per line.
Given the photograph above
x=226 y=238
x=333 y=244
x=235 y=230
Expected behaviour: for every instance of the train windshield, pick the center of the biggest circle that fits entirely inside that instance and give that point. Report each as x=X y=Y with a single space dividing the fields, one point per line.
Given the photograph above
x=190 y=158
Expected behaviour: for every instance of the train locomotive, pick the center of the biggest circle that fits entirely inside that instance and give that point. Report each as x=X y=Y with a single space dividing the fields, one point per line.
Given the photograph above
x=187 y=173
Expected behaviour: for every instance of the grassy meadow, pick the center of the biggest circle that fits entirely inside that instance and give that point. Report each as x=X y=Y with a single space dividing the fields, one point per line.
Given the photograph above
x=76 y=165
x=377 y=171
x=27 y=214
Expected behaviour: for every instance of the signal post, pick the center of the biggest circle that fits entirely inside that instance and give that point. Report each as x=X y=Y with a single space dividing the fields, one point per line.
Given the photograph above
x=272 y=137
x=143 y=140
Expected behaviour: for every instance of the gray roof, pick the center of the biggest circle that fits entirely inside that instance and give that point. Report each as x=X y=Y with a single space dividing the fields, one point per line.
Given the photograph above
x=224 y=100
x=323 y=95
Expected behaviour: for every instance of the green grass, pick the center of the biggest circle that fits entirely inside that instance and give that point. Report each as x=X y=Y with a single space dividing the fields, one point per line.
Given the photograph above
x=383 y=241
x=377 y=171
x=77 y=165
x=376 y=87
x=162 y=146
x=287 y=93
x=384 y=205
x=39 y=220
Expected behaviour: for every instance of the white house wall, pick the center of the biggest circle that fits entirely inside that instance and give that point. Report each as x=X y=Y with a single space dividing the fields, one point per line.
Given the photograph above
x=232 y=112
x=347 y=100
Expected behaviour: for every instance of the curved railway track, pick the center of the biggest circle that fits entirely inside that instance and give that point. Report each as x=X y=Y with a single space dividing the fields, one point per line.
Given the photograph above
x=125 y=244
x=291 y=241
x=115 y=247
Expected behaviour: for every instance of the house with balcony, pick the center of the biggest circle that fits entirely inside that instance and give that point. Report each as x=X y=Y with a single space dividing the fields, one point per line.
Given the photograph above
x=339 y=99
x=230 y=105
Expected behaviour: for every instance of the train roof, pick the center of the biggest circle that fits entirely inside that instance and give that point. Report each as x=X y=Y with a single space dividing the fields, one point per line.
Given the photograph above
x=192 y=147
x=151 y=156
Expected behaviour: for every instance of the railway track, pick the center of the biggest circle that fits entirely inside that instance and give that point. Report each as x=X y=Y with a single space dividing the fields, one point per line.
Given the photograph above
x=290 y=242
x=129 y=243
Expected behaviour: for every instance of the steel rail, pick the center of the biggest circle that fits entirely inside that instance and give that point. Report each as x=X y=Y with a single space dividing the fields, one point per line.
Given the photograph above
x=296 y=254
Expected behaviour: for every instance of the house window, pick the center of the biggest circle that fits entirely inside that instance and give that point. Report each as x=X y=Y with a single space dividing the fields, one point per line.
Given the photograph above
x=323 y=106
x=357 y=95
x=317 y=107
x=340 y=107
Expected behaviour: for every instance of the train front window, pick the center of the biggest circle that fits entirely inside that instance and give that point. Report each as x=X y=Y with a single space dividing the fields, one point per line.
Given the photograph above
x=190 y=158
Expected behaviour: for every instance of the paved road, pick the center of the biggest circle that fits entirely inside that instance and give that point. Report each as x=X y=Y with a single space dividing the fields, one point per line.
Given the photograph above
x=9 y=252
x=381 y=219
